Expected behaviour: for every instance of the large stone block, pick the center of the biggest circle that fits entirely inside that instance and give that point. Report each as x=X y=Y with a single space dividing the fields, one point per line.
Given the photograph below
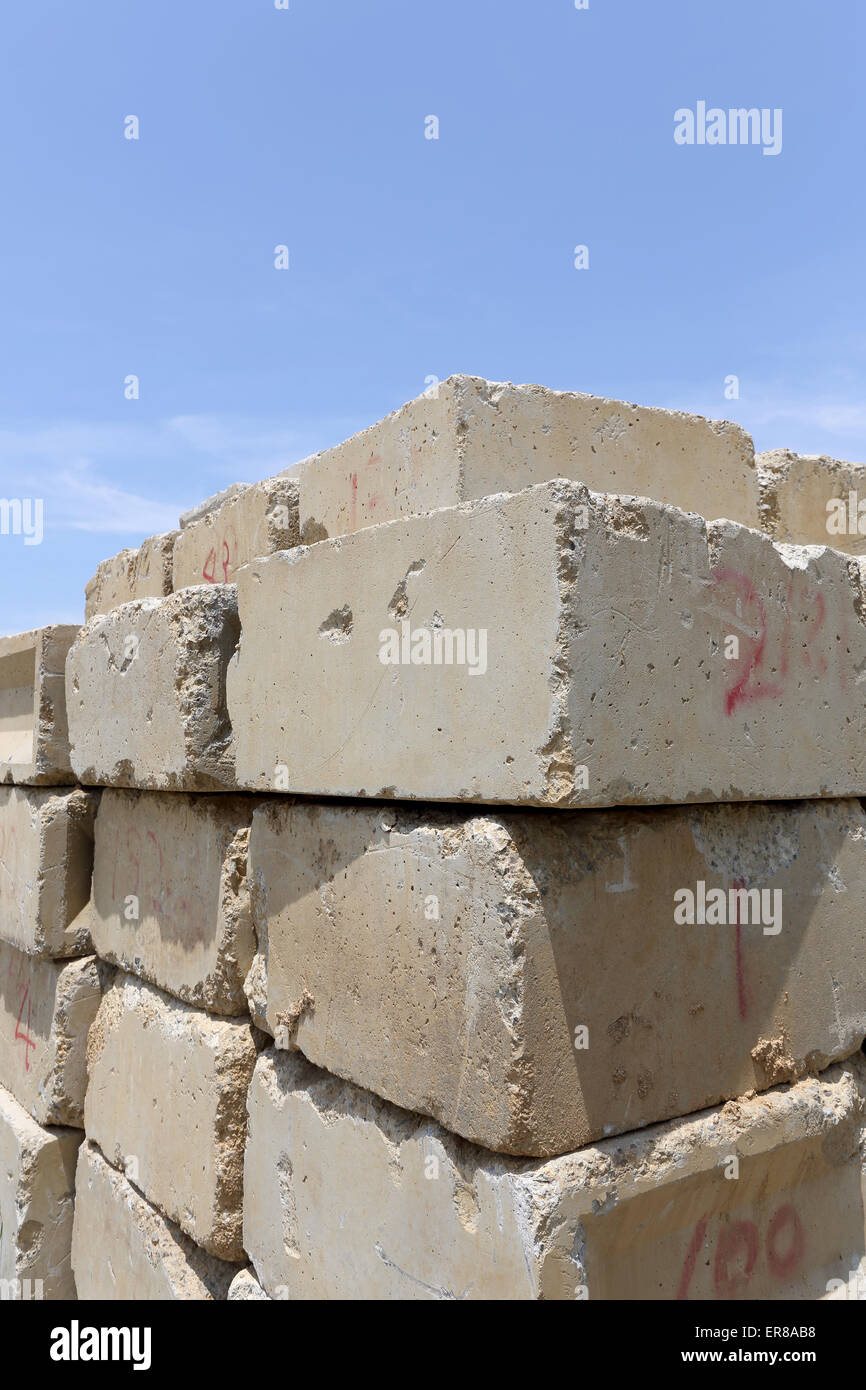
x=256 y=520
x=551 y=647
x=124 y=1249
x=472 y=437
x=46 y=858
x=170 y=898
x=131 y=574
x=46 y=1009
x=347 y=1197
x=34 y=741
x=809 y=499
x=37 y=1192
x=167 y=1091
x=524 y=978
x=146 y=693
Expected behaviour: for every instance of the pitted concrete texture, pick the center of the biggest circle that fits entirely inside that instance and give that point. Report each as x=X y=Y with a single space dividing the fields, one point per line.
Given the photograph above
x=809 y=499
x=124 y=1249
x=34 y=741
x=523 y=978
x=347 y=1197
x=37 y=1192
x=473 y=437
x=146 y=693
x=46 y=1009
x=551 y=647
x=167 y=1091
x=46 y=858
x=131 y=574
x=245 y=1288
x=170 y=900
x=256 y=520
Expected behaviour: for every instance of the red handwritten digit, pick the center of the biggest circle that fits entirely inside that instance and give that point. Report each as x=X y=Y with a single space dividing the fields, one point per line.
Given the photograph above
x=697 y=1240
x=25 y=1036
x=738 y=1238
x=784 y=1263
x=210 y=561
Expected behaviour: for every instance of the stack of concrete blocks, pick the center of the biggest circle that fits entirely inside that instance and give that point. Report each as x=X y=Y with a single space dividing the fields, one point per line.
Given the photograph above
x=50 y=979
x=590 y=1026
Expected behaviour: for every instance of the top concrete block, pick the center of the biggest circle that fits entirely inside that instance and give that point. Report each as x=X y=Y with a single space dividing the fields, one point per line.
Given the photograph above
x=812 y=500
x=551 y=647
x=146 y=693
x=34 y=742
x=232 y=530
x=131 y=574
x=475 y=437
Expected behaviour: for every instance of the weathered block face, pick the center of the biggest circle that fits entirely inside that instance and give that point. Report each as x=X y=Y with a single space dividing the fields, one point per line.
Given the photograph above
x=146 y=693
x=167 y=1087
x=37 y=1188
x=125 y=1249
x=46 y=858
x=131 y=574
x=257 y=520
x=34 y=744
x=537 y=981
x=170 y=900
x=552 y=647
x=761 y=1198
x=813 y=500
x=46 y=1009
x=470 y=438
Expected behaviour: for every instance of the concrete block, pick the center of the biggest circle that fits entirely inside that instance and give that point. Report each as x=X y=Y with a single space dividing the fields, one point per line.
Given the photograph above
x=170 y=899
x=46 y=1009
x=124 y=1249
x=34 y=742
x=476 y=437
x=37 y=1192
x=245 y=1288
x=46 y=859
x=256 y=520
x=347 y=1197
x=166 y=1093
x=809 y=499
x=524 y=978
x=132 y=574
x=146 y=693
x=551 y=647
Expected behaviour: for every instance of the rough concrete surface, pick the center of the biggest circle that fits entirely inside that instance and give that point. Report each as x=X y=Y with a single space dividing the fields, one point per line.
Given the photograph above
x=46 y=858
x=46 y=1009
x=167 y=1091
x=631 y=654
x=256 y=520
x=476 y=437
x=245 y=1288
x=146 y=693
x=37 y=1190
x=451 y=962
x=132 y=574
x=34 y=741
x=347 y=1197
x=124 y=1249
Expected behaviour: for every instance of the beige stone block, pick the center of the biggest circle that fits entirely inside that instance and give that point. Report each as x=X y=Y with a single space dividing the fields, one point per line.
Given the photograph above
x=347 y=1197
x=46 y=1009
x=166 y=1093
x=123 y=1249
x=170 y=896
x=809 y=499
x=46 y=859
x=34 y=741
x=37 y=1191
x=602 y=651
x=132 y=574
x=524 y=978
x=476 y=437
x=146 y=693
x=256 y=520
x=245 y=1288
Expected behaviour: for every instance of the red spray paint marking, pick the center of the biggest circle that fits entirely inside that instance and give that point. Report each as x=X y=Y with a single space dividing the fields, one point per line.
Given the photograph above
x=736 y=1238
x=784 y=1264
x=741 y=1239
x=25 y=1036
x=694 y=1249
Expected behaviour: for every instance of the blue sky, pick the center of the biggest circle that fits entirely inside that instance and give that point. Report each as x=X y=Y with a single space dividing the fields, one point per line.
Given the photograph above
x=409 y=258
